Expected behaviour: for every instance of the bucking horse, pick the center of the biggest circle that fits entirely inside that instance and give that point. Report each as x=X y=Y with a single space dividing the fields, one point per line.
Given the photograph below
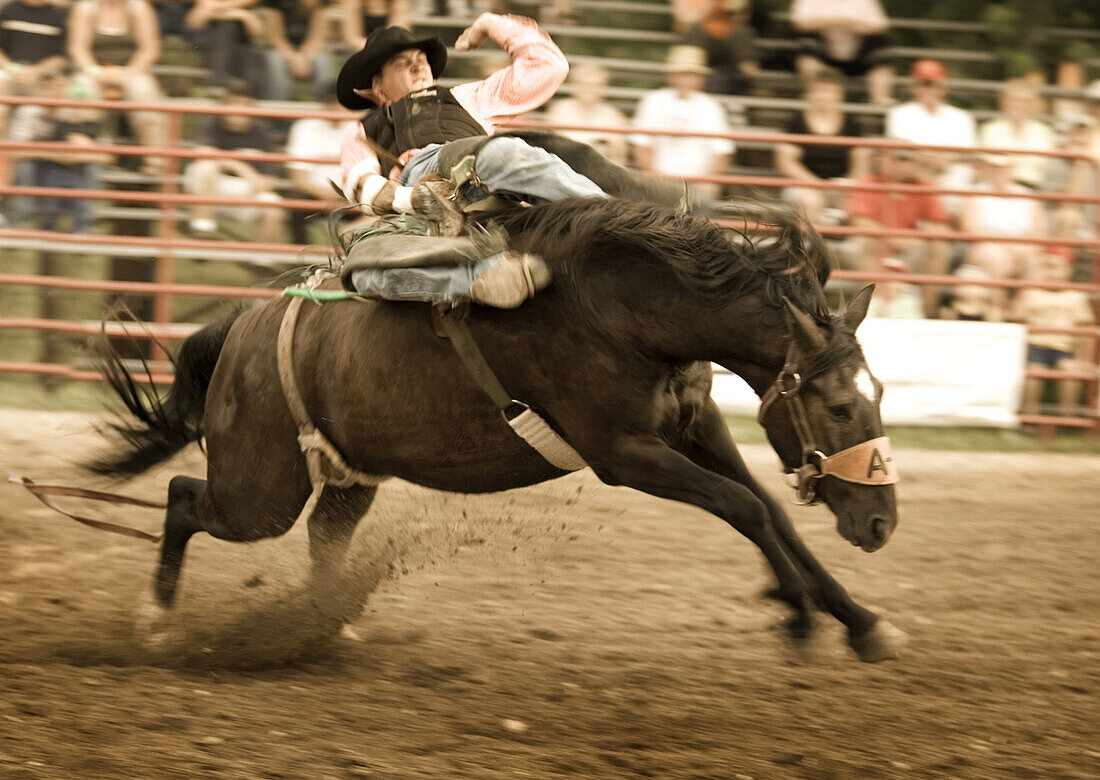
x=615 y=355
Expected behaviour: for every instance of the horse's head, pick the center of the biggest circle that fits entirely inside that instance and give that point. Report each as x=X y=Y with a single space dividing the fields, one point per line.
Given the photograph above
x=822 y=418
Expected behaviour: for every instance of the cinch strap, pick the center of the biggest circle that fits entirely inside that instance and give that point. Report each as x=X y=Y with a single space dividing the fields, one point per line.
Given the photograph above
x=527 y=424
x=325 y=463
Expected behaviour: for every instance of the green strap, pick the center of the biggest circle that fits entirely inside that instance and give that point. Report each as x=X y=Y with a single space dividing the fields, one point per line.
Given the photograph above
x=463 y=342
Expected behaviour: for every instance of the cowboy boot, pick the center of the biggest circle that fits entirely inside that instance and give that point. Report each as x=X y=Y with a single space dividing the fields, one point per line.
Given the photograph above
x=433 y=199
x=508 y=279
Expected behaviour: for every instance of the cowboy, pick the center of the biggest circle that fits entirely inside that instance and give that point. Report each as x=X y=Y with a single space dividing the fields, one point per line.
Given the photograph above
x=385 y=157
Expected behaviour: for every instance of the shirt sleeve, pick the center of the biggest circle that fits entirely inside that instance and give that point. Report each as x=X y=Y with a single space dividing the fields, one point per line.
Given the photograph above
x=1083 y=315
x=297 y=144
x=358 y=162
x=646 y=118
x=933 y=210
x=861 y=204
x=538 y=68
x=718 y=124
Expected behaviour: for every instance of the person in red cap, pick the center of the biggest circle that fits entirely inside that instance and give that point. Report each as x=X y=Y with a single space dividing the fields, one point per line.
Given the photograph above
x=928 y=119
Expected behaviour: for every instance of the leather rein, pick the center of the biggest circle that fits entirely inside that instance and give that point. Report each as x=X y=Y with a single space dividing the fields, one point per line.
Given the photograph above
x=867 y=463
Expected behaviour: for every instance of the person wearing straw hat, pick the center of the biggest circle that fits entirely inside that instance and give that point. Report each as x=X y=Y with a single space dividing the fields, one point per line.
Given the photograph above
x=682 y=106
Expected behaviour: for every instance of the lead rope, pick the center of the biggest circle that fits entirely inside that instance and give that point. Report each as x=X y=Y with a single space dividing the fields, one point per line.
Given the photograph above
x=325 y=464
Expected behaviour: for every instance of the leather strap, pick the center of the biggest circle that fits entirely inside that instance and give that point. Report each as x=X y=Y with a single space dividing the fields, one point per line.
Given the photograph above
x=44 y=492
x=324 y=462
x=525 y=422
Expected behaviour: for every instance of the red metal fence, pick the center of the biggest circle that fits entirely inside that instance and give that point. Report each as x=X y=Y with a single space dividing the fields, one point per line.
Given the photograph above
x=168 y=244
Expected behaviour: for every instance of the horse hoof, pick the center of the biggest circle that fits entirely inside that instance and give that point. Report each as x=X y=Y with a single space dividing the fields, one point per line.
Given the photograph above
x=882 y=643
x=152 y=623
x=800 y=627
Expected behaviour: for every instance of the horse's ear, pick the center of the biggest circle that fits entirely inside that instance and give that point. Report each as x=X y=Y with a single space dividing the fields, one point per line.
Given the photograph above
x=852 y=314
x=805 y=332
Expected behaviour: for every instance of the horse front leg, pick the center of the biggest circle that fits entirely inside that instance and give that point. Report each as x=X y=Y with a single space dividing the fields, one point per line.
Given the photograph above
x=648 y=464
x=709 y=444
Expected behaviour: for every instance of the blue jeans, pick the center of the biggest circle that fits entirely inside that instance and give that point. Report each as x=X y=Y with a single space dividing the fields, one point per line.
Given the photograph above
x=506 y=165
x=433 y=284
x=279 y=81
x=510 y=165
x=50 y=210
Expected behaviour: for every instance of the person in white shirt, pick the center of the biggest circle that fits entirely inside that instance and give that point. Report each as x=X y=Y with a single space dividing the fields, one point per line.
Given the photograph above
x=1016 y=129
x=682 y=106
x=928 y=119
x=589 y=106
x=310 y=137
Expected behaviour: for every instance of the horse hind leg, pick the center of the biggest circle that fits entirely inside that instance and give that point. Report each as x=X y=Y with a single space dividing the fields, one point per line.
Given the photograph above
x=331 y=526
x=182 y=521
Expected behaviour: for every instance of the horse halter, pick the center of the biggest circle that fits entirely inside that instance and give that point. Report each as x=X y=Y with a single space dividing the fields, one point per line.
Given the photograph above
x=867 y=463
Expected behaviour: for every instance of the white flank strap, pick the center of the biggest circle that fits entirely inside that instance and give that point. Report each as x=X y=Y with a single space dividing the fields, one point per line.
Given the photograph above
x=544 y=440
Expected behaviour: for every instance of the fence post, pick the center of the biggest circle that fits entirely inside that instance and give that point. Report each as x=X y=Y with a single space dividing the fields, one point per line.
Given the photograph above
x=166 y=262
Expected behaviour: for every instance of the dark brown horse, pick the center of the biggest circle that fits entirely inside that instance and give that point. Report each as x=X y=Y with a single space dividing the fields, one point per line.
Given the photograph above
x=615 y=354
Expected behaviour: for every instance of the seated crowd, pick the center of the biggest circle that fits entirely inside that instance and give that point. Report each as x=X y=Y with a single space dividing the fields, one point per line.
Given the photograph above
x=280 y=49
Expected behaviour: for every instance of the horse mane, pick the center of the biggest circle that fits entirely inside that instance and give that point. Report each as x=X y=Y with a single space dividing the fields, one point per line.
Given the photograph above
x=782 y=256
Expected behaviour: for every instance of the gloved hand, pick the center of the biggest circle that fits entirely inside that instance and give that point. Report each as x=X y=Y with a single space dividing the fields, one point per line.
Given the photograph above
x=433 y=199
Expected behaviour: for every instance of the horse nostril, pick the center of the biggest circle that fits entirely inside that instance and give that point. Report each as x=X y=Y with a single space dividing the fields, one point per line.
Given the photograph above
x=879 y=530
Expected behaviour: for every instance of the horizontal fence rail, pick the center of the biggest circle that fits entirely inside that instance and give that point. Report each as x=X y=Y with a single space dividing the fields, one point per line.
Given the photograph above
x=167 y=245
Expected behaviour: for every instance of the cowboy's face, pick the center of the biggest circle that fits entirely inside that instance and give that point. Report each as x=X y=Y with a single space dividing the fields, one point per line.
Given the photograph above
x=405 y=72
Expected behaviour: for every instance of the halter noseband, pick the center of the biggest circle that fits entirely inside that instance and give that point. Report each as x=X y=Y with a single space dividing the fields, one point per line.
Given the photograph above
x=867 y=463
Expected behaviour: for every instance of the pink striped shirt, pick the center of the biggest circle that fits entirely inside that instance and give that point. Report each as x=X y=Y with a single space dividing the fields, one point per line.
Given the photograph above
x=538 y=68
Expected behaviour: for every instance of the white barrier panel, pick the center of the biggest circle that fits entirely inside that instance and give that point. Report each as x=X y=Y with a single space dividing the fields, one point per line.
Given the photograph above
x=935 y=372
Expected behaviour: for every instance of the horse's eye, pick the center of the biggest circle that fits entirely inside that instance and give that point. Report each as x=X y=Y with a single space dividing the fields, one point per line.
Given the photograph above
x=841 y=413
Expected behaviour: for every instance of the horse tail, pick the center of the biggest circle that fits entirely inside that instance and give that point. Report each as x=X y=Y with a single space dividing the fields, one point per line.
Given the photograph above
x=163 y=426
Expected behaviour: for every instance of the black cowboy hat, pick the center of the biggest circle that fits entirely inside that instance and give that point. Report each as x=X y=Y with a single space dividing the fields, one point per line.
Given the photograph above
x=382 y=44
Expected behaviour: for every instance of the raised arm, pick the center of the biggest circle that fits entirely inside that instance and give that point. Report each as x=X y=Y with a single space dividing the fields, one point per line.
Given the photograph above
x=538 y=68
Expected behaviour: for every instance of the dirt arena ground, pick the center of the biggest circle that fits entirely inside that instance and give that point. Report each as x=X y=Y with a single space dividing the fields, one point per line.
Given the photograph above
x=568 y=630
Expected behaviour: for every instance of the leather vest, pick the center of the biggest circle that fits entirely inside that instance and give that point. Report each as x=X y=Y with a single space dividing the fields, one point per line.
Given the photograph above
x=430 y=116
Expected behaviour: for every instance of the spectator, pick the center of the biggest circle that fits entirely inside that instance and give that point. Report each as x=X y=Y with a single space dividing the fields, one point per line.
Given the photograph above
x=688 y=13
x=730 y=43
x=1018 y=129
x=682 y=106
x=32 y=44
x=848 y=35
x=997 y=215
x=1076 y=177
x=116 y=42
x=316 y=138
x=589 y=106
x=973 y=302
x=821 y=116
x=172 y=18
x=928 y=119
x=74 y=169
x=359 y=18
x=556 y=12
x=907 y=211
x=1092 y=96
x=223 y=29
x=234 y=178
x=893 y=299
x=297 y=31
x=1054 y=309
